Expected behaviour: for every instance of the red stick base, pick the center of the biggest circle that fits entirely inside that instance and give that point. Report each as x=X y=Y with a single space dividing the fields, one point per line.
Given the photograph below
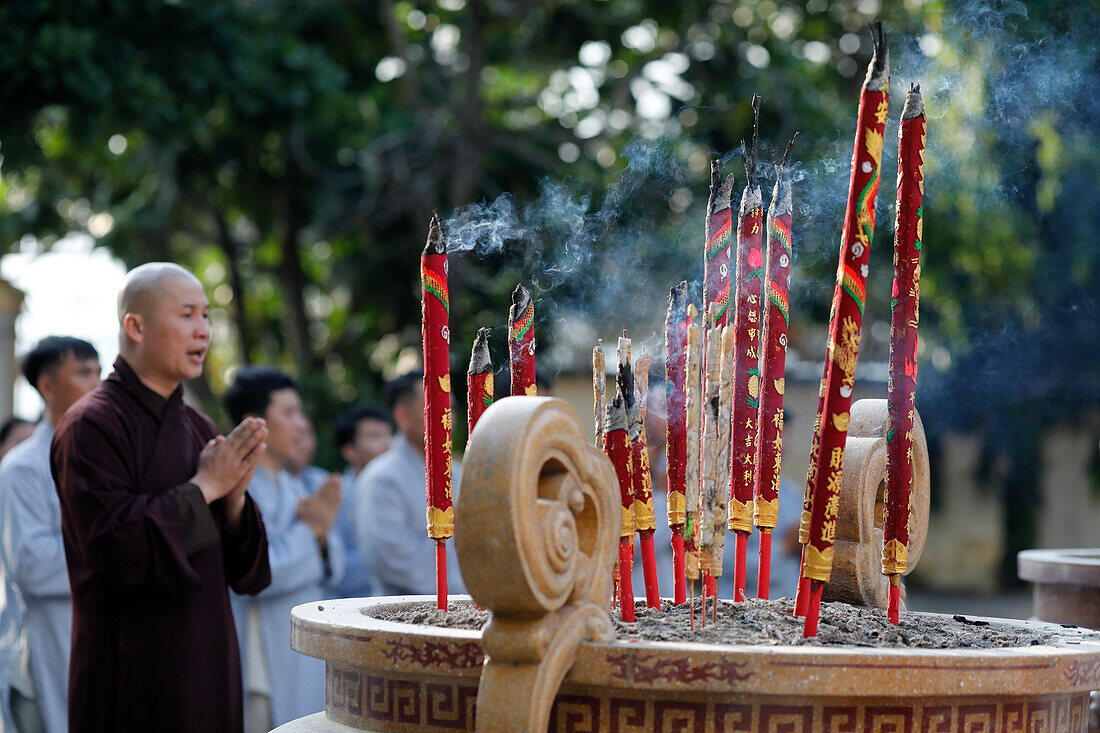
x=810 y=629
x=802 y=595
x=739 y=566
x=626 y=581
x=711 y=587
x=894 y=610
x=441 y=574
x=679 y=573
x=763 y=582
x=649 y=569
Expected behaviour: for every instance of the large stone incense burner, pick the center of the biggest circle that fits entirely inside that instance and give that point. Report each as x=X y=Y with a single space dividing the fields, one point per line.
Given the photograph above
x=536 y=529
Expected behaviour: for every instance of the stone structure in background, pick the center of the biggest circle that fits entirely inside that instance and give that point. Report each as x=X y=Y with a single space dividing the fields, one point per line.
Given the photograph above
x=11 y=302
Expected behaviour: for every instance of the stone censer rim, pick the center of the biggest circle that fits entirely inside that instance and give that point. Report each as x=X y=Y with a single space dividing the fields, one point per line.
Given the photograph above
x=341 y=631
x=1075 y=566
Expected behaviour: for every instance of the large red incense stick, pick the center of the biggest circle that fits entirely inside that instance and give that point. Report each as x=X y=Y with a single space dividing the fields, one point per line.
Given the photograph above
x=719 y=230
x=859 y=226
x=676 y=445
x=746 y=370
x=521 y=342
x=904 y=312
x=479 y=379
x=776 y=318
x=616 y=444
x=437 y=399
x=644 y=520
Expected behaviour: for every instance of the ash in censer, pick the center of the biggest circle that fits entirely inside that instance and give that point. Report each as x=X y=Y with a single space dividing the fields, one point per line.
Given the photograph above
x=770 y=623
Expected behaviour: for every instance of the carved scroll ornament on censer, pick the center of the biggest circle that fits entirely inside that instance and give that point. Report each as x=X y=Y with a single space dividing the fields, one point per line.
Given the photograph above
x=536 y=531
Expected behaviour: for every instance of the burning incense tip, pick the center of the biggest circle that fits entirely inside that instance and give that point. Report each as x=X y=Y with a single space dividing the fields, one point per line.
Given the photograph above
x=521 y=298
x=480 y=362
x=617 y=415
x=914 y=103
x=787 y=153
x=436 y=244
x=878 y=72
x=721 y=190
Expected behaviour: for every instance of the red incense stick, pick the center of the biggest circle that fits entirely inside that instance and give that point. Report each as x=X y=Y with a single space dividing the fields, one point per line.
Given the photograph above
x=479 y=380
x=644 y=520
x=437 y=399
x=746 y=376
x=616 y=444
x=904 y=313
x=859 y=226
x=769 y=444
x=521 y=342
x=676 y=323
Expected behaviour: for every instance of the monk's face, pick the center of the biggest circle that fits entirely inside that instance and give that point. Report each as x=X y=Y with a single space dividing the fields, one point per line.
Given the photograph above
x=286 y=423
x=178 y=333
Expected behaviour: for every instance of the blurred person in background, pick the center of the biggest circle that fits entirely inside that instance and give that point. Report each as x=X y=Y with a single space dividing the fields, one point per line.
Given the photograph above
x=37 y=617
x=13 y=432
x=306 y=555
x=362 y=434
x=390 y=507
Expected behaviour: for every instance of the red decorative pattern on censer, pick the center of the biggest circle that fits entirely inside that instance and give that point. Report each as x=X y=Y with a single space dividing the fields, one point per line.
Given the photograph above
x=391 y=703
x=631 y=667
x=431 y=653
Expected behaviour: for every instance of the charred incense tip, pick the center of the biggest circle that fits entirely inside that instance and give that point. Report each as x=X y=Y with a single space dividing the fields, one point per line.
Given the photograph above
x=677 y=300
x=755 y=133
x=521 y=299
x=721 y=190
x=624 y=381
x=436 y=244
x=914 y=103
x=750 y=197
x=480 y=361
x=616 y=414
x=878 y=71
x=787 y=153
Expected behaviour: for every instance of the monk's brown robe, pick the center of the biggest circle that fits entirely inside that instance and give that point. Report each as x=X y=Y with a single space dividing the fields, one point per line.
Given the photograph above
x=154 y=646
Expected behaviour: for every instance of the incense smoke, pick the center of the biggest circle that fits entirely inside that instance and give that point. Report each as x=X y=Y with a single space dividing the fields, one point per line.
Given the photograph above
x=599 y=262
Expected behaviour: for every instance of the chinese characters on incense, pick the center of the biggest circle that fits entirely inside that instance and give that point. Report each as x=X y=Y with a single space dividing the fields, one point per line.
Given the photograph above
x=479 y=377
x=746 y=384
x=773 y=356
x=844 y=331
x=904 y=311
x=436 y=336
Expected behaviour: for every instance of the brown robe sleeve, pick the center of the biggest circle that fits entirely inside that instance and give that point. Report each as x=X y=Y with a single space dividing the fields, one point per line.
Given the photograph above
x=245 y=551
x=134 y=539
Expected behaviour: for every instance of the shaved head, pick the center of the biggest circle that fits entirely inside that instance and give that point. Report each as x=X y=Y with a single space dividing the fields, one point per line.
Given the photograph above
x=163 y=318
x=145 y=282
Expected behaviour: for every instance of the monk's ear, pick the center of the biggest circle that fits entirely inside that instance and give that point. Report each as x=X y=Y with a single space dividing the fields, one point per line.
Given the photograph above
x=347 y=452
x=133 y=324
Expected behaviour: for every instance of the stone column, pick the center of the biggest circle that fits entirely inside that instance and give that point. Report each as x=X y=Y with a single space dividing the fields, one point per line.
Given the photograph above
x=11 y=302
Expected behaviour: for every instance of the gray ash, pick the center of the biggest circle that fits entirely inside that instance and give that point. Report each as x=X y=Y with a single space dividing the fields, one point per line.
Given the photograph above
x=770 y=623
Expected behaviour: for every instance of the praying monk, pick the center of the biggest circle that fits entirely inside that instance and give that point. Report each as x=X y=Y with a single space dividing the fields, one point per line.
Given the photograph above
x=157 y=526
